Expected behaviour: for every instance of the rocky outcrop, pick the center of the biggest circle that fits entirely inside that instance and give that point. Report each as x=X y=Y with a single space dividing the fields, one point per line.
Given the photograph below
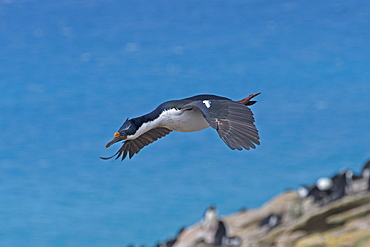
x=337 y=214
x=345 y=222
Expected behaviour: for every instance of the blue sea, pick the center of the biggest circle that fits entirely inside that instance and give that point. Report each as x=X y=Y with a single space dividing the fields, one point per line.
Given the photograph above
x=71 y=72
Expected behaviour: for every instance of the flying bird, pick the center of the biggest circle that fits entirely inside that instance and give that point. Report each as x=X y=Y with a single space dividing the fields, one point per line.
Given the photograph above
x=233 y=121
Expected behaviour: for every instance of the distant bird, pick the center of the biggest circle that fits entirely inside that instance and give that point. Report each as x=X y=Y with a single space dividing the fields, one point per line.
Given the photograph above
x=222 y=238
x=303 y=191
x=271 y=221
x=365 y=173
x=324 y=184
x=231 y=241
x=319 y=196
x=210 y=219
x=319 y=192
x=214 y=231
x=220 y=234
x=233 y=121
x=342 y=184
x=210 y=225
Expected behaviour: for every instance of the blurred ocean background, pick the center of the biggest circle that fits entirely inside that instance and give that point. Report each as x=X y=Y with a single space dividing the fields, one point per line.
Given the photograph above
x=72 y=71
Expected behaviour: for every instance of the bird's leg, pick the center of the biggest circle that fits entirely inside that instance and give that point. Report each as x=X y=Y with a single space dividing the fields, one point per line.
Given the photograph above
x=246 y=101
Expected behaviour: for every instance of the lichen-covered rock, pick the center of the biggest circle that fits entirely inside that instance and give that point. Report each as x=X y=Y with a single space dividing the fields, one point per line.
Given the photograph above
x=288 y=239
x=354 y=238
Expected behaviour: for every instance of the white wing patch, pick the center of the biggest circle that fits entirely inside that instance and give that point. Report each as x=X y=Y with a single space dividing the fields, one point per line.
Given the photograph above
x=207 y=103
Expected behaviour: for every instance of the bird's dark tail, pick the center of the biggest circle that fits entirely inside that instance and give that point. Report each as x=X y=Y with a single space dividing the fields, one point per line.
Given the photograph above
x=247 y=101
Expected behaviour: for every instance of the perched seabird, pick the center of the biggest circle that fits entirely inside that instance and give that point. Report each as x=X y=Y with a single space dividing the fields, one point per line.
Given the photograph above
x=231 y=241
x=271 y=221
x=222 y=238
x=341 y=185
x=209 y=224
x=233 y=121
x=221 y=234
x=303 y=191
x=365 y=173
x=214 y=231
x=320 y=192
x=324 y=184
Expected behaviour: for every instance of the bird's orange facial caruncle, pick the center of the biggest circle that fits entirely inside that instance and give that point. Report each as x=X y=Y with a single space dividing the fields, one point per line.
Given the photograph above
x=117 y=137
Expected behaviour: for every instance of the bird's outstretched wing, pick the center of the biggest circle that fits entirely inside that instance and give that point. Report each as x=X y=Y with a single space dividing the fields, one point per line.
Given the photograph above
x=132 y=147
x=233 y=121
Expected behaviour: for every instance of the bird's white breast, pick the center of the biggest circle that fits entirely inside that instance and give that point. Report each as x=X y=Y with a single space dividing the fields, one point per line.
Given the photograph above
x=210 y=220
x=178 y=120
x=183 y=120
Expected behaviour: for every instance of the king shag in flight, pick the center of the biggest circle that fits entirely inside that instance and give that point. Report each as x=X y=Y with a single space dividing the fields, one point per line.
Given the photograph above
x=233 y=121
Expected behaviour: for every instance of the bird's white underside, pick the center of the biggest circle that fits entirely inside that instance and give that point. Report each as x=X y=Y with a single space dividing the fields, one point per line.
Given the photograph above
x=209 y=226
x=210 y=220
x=173 y=119
x=302 y=192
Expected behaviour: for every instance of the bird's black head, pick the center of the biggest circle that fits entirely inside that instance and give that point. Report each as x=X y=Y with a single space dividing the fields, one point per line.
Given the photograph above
x=127 y=128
